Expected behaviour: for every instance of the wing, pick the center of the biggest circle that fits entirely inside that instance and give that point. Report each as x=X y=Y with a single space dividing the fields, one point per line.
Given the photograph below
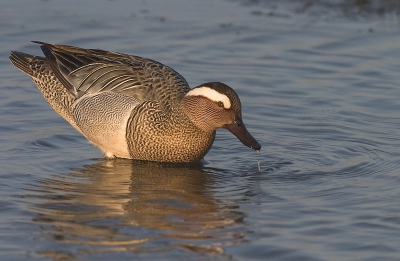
x=84 y=71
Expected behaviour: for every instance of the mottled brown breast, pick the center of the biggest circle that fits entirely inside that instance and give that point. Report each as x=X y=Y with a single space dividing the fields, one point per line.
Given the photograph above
x=155 y=135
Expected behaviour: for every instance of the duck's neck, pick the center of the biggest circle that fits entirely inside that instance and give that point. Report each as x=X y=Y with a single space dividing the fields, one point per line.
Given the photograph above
x=192 y=107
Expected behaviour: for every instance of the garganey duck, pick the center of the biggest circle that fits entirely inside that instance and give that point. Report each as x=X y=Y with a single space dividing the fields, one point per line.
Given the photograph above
x=133 y=107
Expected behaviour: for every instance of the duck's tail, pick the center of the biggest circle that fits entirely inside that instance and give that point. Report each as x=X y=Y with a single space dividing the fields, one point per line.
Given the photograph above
x=25 y=62
x=36 y=67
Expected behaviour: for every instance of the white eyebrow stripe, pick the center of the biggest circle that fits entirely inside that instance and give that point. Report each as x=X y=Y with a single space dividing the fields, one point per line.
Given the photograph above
x=211 y=94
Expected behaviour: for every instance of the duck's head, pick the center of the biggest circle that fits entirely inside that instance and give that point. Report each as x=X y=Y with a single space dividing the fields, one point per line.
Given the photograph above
x=215 y=105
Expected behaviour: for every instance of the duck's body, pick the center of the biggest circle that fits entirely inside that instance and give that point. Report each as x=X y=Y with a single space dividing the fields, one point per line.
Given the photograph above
x=132 y=107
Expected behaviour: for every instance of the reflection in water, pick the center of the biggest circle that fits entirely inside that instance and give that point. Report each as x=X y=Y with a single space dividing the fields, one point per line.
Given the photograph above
x=123 y=205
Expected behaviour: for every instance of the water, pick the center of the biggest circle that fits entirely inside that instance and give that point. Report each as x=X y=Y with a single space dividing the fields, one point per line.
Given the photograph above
x=319 y=88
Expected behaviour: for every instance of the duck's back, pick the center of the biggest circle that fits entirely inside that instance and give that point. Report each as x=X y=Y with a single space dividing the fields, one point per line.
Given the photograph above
x=84 y=71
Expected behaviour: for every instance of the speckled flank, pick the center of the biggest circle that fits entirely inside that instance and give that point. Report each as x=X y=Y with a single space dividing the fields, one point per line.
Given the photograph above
x=132 y=107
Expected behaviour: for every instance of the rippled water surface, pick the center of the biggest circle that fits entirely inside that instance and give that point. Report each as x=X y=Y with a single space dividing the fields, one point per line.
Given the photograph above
x=319 y=84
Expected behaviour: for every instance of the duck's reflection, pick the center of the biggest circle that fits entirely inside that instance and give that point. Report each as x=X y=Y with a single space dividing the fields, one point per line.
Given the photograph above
x=123 y=205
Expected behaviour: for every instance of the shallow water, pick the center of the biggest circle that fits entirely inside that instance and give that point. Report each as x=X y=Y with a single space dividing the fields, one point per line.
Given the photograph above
x=319 y=88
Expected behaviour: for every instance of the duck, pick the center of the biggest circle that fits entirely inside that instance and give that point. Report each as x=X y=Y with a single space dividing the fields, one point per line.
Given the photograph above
x=133 y=107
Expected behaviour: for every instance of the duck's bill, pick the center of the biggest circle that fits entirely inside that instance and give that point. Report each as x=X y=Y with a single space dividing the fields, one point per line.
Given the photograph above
x=239 y=130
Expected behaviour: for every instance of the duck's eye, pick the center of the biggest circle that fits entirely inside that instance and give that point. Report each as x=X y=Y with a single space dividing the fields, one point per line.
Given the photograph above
x=220 y=104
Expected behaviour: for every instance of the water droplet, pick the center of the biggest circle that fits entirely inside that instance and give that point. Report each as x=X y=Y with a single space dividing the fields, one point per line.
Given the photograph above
x=259 y=165
x=258 y=151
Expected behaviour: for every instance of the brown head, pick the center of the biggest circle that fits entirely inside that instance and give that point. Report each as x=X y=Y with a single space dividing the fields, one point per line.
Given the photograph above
x=215 y=105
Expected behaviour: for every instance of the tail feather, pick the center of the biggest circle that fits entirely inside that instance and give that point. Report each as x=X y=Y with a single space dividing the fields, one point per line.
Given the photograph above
x=23 y=61
x=55 y=93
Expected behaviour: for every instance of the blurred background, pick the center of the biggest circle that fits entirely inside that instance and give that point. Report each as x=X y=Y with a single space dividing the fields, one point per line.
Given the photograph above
x=318 y=81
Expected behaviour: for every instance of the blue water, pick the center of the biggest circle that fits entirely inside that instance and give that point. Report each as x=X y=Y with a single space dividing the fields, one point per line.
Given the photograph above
x=319 y=85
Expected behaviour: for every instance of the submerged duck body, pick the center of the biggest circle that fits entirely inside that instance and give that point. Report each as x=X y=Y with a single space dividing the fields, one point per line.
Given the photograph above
x=133 y=107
